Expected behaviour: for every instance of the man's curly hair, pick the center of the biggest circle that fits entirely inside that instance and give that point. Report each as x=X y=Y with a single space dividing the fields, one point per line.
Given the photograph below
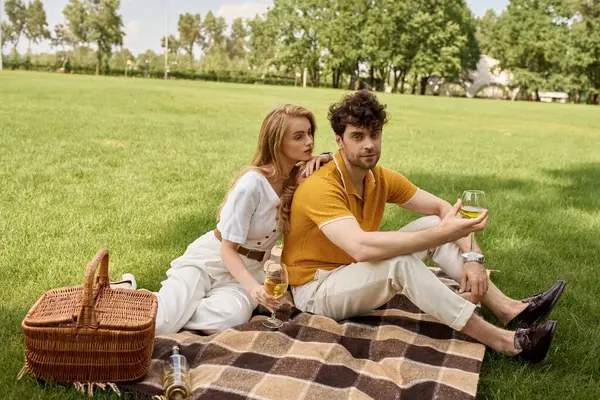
x=361 y=109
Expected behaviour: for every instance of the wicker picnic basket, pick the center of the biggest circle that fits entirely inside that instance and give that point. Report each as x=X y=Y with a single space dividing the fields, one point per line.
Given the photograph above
x=91 y=333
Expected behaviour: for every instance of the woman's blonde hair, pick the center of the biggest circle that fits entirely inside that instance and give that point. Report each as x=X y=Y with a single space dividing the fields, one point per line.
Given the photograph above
x=269 y=159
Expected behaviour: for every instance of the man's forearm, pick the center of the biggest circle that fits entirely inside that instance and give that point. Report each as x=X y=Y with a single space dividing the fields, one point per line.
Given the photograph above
x=375 y=246
x=347 y=234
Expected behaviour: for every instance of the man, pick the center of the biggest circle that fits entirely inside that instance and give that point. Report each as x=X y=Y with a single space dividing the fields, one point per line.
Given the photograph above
x=340 y=265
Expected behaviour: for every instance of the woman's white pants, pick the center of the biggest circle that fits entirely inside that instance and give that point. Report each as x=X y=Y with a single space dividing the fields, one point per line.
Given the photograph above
x=200 y=293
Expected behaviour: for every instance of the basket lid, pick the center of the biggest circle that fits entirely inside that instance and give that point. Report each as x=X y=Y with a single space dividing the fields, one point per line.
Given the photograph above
x=115 y=309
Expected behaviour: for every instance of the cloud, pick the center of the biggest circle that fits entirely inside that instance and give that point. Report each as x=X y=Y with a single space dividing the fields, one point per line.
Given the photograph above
x=133 y=36
x=244 y=10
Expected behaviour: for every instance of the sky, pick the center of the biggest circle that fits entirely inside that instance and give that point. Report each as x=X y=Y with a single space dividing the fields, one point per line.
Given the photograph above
x=144 y=20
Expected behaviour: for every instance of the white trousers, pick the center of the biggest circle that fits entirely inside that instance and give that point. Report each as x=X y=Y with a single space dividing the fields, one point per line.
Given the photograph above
x=358 y=288
x=200 y=293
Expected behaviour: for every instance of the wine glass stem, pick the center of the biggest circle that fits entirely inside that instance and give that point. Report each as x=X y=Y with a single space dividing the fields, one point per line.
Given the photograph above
x=472 y=242
x=273 y=316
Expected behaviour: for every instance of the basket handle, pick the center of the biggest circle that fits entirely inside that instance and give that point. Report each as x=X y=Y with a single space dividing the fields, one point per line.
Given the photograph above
x=87 y=317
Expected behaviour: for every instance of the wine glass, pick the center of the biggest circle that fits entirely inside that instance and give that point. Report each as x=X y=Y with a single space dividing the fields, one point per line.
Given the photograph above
x=276 y=283
x=473 y=204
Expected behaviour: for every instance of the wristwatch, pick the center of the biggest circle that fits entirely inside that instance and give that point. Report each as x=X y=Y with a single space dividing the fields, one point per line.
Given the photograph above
x=479 y=258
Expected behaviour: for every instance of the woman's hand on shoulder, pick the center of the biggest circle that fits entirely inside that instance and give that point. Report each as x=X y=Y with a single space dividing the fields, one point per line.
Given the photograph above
x=313 y=165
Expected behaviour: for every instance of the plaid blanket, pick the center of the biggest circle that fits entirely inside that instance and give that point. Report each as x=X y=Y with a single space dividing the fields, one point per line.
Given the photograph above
x=393 y=352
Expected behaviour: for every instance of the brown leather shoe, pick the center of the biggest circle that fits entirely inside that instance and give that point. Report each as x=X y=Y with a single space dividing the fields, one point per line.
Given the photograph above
x=534 y=342
x=538 y=307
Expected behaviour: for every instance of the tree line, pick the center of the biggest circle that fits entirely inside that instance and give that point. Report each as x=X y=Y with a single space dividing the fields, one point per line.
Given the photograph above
x=545 y=44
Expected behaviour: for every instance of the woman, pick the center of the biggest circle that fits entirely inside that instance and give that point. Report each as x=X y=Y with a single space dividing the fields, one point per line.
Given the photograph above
x=218 y=281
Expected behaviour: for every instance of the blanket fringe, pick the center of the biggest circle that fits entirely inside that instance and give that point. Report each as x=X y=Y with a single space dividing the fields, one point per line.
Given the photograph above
x=88 y=387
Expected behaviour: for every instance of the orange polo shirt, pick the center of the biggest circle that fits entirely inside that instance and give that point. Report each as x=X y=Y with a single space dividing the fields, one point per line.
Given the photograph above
x=327 y=196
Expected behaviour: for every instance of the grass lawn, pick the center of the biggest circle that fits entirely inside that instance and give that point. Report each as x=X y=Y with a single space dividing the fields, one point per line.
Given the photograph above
x=140 y=166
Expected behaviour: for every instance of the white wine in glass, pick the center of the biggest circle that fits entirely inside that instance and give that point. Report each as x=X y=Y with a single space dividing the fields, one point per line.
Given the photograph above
x=473 y=204
x=471 y=211
x=276 y=283
x=275 y=287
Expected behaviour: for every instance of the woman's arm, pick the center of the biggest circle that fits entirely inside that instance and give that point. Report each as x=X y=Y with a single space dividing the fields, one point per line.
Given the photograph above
x=236 y=267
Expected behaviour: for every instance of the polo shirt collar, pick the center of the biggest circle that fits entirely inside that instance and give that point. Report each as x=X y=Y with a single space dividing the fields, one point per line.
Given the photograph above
x=347 y=179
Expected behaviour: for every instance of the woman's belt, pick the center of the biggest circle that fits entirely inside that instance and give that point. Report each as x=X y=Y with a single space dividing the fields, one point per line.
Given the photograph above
x=256 y=255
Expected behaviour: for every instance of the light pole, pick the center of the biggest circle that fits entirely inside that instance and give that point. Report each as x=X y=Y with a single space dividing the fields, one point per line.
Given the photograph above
x=166 y=39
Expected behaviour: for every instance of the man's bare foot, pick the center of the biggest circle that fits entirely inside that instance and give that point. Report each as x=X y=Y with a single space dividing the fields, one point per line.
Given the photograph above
x=517 y=307
x=510 y=348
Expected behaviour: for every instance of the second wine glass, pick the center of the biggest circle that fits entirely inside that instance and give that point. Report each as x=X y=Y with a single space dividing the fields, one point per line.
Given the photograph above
x=276 y=283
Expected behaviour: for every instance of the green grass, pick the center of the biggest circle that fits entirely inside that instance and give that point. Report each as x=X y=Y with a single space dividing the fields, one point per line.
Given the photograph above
x=141 y=166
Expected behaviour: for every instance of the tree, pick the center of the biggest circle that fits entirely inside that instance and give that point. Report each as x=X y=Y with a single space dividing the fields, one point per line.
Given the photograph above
x=63 y=37
x=236 y=42
x=85 y=57
x=16 y=12
x=77 y=26
x=96 y=21
x=36 y=27
x=448 y=44
x=174 y=44
x=405 y=43
x=214 y=32
x=262 y=42
x=105 y=28
x=470 y=53
x=299 y=23
x=377 y=32
x=584 y=60
x=485 y=31
x=7 y=34
x=342 y=38
x=120 y=58
x=76 y=15
x=216 y=60
x=189 y=26
x=146 y=61
x=215 y=48
x=531 y=41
